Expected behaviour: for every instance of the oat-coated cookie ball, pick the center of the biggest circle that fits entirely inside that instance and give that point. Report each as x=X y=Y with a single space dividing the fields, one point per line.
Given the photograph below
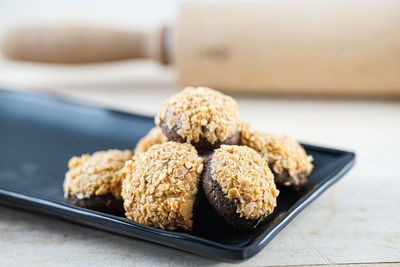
x=201 y=116
x=161 y=184
x=94 y=181
x=153 y=137
x=287 y=158
x=239 y=185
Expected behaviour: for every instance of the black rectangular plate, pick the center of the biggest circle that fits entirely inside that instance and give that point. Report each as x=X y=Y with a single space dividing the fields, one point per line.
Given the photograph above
x=38 y=135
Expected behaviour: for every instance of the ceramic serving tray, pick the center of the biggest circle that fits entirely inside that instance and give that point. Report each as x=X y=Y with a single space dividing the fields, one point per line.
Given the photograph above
x=38 y=135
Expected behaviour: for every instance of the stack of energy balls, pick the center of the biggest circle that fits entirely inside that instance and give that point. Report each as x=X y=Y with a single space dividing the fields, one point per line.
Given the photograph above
x=200 y=143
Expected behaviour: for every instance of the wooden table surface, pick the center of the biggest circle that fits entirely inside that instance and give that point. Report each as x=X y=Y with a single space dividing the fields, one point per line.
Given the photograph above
x=356 y=222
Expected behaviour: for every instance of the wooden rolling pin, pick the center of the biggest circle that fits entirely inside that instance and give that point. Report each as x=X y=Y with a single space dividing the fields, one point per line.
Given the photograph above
x=303 y=47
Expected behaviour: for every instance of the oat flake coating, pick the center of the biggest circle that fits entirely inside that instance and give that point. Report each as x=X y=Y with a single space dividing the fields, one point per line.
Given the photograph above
x=244 y=175
x=97 y=174
x=160 y=186
x=154 y=136
x=201 y=112
x=281 y=152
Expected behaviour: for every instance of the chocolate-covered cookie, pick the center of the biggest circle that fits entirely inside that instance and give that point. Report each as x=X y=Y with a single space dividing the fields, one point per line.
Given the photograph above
x=200 y=116
x=107 y=203
x=161 y=184
x=239 y=185
x=153 y=137
x=94 y=181
x=287 y=158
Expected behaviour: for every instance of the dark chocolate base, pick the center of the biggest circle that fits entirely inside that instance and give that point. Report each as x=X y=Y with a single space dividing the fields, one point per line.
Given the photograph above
x=202 y=146
x=224 y=206
x=284 y=179
x=106 y=203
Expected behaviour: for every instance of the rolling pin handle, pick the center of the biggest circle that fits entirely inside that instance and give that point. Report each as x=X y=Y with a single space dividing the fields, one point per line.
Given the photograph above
x=77 y=45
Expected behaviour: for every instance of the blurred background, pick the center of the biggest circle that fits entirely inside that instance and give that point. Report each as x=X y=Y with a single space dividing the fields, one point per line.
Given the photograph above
x=324 y=72
x=285 y=58
x=116 y=81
